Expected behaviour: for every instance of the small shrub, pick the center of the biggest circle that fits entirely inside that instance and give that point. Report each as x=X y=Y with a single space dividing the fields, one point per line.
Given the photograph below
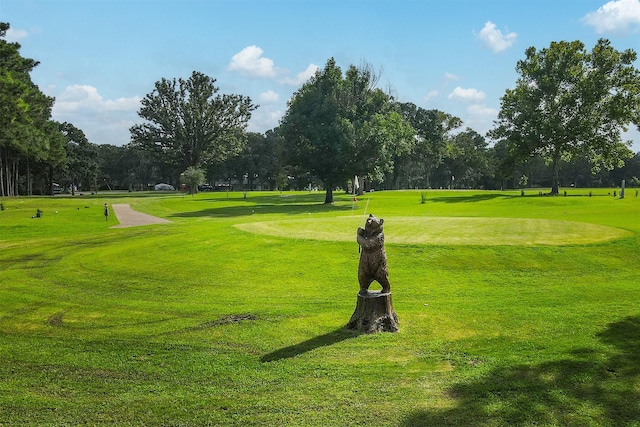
x=192 y=177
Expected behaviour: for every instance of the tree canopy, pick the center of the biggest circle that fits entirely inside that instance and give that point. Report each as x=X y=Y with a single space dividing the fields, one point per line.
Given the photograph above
x=561 y=124
x=26 y=131
x=82 y=165
x=338 y=126
x=192 y=177
x=466 y=161
x=433 y=128
x=569 y=102
x=188 y=122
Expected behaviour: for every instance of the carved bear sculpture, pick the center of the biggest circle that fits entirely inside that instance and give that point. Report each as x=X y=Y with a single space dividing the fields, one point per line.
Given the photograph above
x=373 y=258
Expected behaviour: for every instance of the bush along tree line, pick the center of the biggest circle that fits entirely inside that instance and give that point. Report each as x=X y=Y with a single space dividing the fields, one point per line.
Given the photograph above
x=561 y=125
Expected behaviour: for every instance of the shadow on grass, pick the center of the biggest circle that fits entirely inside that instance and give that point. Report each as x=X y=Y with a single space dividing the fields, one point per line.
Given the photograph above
x=272 y=198
x=333 y=337
x=588 y=388
x=117 y=194
x=468 y=198
x=262 y=209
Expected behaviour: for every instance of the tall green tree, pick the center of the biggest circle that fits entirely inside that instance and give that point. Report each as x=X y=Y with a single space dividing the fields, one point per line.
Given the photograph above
x=433 y=130
x=82 y=167
x=569 y=102
x=123 y=167
x=24 y=115
x=113 y=166
x=141 y=168
x=189 y=123
x=276 y=169
x=467 y=159
x=337 y=126
x=260 y=163
x=56 y=158
x=249 y=162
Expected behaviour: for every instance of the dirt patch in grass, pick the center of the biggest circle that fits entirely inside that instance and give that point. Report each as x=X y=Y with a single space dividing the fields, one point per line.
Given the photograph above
x=233 y=318
x=55 y=319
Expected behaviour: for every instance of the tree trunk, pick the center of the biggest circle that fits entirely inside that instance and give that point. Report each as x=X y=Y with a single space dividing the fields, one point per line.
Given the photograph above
x=29 y=189
x=328 y=198
x=396 y=174
x=374 y=313
x=555 y=183
x=555 y=175
x=2 y=193
x=428 y=177
x=15 y=176
x=50 y=180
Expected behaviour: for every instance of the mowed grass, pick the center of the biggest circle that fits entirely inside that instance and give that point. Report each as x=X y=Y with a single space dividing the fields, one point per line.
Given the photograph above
x=446 y=230
x=513 y=311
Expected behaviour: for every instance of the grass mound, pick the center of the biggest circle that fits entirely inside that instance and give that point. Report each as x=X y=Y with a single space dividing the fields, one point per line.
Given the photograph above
x=445 y=230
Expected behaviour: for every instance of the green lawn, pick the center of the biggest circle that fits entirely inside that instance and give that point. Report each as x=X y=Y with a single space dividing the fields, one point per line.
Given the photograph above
x=513 y=311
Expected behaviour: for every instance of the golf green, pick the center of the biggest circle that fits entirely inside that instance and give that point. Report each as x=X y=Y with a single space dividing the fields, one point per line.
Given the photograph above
x=445 y=230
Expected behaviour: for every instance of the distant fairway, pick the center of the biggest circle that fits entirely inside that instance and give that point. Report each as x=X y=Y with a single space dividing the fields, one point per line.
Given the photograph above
x=445 y=230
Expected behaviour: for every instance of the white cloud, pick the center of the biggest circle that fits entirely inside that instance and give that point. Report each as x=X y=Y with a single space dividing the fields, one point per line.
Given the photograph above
x=268 y=97
x=451 y=76
x=493 y=38
x=431 y=95
x=618 y=17
x=86 y=98
x=249 y=61
x=264 y=119
x=102 y=121
x=482 y=111
x=480 y=117
x=467 y=95
x=15 y=35
x=301 y=77
x=76 y=97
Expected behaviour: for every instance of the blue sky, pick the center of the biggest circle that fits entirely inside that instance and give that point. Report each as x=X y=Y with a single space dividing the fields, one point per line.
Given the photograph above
x=98 y=58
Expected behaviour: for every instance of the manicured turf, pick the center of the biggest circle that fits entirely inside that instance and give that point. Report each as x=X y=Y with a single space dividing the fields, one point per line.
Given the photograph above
x=513 y=311
x=446 y=230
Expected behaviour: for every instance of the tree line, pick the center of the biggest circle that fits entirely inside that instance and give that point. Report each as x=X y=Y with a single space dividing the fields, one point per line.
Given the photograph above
x=561 y=125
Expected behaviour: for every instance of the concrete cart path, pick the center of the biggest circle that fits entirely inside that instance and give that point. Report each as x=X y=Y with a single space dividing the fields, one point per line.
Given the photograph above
x=130 y=218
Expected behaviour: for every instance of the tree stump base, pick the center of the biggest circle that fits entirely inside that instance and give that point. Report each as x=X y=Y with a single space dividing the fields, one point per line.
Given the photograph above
x=374 y=313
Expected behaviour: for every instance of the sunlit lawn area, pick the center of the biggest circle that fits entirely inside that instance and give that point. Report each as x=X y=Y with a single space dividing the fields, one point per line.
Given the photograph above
x=513 y=311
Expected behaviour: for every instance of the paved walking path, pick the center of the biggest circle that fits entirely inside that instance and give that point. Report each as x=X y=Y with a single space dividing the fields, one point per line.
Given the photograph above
x=130 y=218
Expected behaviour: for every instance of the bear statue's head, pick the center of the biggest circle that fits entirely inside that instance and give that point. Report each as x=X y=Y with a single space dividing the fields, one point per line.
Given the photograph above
x=373 y=225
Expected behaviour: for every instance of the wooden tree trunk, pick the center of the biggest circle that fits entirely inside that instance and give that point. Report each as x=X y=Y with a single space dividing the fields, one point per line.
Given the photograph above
x=374 y=313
